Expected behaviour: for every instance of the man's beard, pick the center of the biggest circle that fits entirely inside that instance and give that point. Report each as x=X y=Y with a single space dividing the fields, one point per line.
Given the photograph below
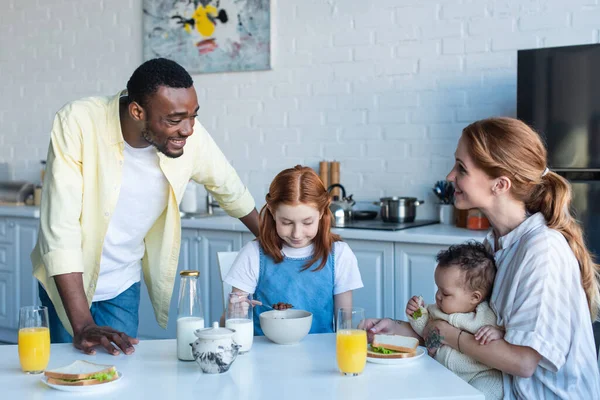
x=149 y=136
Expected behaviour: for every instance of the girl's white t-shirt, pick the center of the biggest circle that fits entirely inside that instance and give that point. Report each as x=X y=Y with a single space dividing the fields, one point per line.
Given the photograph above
x=245 y=269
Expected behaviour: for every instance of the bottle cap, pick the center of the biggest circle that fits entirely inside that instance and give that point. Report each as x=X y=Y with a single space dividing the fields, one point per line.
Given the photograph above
x=189 y=273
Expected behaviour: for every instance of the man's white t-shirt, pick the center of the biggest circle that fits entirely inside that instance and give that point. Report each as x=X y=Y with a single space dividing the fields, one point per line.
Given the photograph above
x=245 y=269
x=142 y=199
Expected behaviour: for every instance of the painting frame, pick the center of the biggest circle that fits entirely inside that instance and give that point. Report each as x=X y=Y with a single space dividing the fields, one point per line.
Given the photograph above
x=209 y=36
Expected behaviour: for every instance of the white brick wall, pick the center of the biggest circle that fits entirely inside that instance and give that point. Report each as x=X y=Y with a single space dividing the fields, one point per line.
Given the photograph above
x=384 y=87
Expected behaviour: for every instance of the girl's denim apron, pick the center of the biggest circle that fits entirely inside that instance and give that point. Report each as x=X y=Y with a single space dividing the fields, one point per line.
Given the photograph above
x=306 y=290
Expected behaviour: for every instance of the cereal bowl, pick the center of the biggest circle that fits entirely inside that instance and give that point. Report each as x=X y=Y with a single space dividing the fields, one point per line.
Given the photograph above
x=286 y=327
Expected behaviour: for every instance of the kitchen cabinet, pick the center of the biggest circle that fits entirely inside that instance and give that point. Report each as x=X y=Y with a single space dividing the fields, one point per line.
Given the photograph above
x=211 y=243
x=27 y=232
x=198 y=252
x=414 y=267
x=17 y=286
x=376 y=265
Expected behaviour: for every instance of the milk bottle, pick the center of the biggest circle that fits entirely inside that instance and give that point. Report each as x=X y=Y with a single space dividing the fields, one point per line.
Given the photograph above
x=189 y=314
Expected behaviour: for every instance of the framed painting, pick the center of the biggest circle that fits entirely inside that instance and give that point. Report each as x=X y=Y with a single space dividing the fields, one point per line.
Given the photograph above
x=207 y=36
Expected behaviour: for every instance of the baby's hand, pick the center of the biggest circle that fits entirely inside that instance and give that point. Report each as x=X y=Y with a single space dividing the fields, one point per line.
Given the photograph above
x=413 y=305
x=487 y=334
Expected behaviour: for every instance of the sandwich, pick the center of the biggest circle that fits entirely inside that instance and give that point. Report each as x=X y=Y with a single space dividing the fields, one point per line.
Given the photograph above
x=393 y=346
x=82 y=373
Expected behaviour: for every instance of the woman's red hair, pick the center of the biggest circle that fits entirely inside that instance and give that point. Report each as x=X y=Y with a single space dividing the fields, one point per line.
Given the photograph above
x=295 y=186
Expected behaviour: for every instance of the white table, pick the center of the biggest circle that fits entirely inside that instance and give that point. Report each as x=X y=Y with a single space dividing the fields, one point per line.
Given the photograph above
x=306 y=371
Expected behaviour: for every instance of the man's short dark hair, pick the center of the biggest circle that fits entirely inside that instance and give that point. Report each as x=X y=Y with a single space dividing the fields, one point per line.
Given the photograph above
x=152 y=74
x=475 y=260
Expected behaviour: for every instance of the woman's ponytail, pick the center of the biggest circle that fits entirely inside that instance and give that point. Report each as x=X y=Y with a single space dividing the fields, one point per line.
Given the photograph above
x=552 y=197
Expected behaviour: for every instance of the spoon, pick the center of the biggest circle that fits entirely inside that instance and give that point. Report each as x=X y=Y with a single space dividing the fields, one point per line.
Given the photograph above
x=259 y=303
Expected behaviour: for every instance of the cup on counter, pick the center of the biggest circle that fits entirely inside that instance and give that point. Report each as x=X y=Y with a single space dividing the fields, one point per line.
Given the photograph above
x=351 y=341
x=446 y=214
x=476 y=220
x=238 y=317
x=34 y=339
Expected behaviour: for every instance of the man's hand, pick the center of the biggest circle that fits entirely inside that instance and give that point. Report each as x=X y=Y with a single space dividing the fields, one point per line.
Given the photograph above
x=93 y=335
x=488 y=333
x=87 y=334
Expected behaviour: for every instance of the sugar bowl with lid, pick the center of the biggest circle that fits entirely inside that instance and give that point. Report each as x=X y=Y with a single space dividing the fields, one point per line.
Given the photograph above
x=215 y=350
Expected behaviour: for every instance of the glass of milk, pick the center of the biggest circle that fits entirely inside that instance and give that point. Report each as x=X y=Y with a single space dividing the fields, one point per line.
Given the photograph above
x=239 y=318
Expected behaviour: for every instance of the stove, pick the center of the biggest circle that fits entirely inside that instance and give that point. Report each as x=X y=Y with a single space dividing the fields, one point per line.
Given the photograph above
x=378 y=224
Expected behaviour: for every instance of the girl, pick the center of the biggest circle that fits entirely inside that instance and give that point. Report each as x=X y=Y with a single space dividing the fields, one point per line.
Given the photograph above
x=546 y=288
x=297 y=260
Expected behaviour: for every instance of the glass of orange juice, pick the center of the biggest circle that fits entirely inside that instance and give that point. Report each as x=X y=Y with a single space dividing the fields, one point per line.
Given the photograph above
x=34 y=339
x=351 y=341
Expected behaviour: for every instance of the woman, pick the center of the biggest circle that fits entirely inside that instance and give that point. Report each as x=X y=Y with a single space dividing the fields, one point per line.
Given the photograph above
x=545 y=293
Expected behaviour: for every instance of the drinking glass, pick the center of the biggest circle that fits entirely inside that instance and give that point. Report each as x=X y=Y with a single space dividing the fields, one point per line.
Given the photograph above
x=351 y=341
x=239 y=318
x=34 y=339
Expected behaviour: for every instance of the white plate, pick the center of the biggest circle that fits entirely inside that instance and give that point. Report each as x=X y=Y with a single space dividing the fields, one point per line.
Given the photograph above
x=87 y=388
x=396 y=361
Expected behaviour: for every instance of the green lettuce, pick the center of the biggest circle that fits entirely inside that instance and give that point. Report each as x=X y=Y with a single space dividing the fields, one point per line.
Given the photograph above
x=104 y=376
x=101 y=376
x=382 y=350
x=417 y=314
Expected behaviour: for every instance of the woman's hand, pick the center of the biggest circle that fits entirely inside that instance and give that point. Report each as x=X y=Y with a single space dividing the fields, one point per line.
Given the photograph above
x=438 y=333
x=386 y=325
x=377 y=325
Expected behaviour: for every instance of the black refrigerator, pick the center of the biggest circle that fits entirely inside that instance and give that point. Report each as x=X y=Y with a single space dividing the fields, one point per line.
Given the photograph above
x=558 y=93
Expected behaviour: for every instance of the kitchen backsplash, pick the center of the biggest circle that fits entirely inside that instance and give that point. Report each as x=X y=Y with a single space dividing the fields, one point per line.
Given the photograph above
x=383 y=87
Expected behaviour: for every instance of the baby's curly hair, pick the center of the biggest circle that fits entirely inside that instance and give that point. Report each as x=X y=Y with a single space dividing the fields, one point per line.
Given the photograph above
x=475 y=260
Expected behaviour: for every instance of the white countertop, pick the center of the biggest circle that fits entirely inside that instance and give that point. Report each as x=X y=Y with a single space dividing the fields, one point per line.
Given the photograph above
x=19 y=211
x=430 y=234
x=306 y=371
x=434 y=234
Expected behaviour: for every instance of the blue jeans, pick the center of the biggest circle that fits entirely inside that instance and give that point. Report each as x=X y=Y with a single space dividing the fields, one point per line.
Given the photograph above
x=120 y=313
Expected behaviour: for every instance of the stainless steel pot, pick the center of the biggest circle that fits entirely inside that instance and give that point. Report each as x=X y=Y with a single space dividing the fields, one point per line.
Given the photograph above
x=399 y=209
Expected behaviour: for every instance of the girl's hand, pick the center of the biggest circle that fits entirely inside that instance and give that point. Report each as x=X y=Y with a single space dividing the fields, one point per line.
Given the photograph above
x=239 y=304
x=487 y=334
x=435 y=335
x=412 y=305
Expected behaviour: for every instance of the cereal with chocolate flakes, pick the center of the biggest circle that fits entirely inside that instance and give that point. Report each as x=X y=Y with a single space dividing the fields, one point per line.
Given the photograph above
x=282 y=306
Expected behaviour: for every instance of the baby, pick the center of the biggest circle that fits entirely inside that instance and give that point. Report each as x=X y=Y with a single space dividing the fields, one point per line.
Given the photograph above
x=464 y=277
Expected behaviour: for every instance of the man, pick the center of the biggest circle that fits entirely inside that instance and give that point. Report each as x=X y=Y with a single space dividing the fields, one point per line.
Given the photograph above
x=117 y=169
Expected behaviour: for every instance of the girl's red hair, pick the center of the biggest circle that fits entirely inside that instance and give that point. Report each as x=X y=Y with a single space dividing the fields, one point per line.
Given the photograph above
x=294 y=186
